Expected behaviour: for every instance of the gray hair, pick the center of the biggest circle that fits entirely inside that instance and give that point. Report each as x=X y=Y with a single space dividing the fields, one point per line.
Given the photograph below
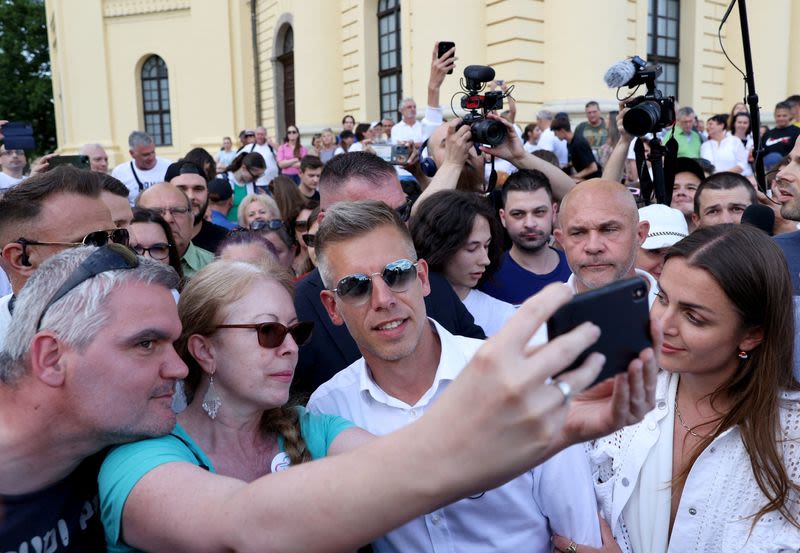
x=685 y=111
x=405 y=100
x=545 y=114
x=346 y=220
x=87 y=148
x=139 y=138
x=264 y=200
x=77 y=317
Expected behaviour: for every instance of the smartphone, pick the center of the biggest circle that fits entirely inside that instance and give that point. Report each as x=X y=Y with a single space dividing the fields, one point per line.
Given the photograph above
x=18 y=136
x=499 y=82
x=81 y=162
x=444 y=47
x=622 y=312
x=400 y=154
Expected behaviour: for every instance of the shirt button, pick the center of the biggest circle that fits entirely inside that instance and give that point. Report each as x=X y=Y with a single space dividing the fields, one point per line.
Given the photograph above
x=662 y=404
x=692 y=511
x=651 y=426
x=436 y=519
x=625 y=482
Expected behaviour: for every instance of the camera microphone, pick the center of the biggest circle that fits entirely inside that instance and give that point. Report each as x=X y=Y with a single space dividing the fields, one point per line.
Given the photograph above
x=620 y=74
x=760 y=216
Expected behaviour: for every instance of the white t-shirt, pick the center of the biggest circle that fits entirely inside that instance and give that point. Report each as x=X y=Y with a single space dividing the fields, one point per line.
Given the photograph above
x=556 y=496
x=550 y=142
x=125 y=173
x=489 y=313
x=272 y=169
x=7 y=182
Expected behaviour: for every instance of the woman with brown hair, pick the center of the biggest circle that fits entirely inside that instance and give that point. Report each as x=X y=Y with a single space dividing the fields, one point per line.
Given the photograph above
x=716 y=465
x=290 y=153
x=240 y=340
x=243 y=172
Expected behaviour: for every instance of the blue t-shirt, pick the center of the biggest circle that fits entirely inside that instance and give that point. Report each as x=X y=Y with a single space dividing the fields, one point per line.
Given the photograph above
x=127 y=464
x=515 y=284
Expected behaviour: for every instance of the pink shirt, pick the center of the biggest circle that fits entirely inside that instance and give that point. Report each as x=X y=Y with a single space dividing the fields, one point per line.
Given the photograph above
x=286 y=151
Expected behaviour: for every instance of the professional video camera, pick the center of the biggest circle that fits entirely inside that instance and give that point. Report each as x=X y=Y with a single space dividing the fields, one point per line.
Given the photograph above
x=484 y=131
x=651 y=112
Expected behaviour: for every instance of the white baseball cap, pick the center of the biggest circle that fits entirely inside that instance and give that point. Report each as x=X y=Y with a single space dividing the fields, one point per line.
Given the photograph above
x=667 y=226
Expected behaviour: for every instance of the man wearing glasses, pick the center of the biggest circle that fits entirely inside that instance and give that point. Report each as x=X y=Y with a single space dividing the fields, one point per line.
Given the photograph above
x=49 y=213
x=375 y=285
x=173 y=205
x=347 y=178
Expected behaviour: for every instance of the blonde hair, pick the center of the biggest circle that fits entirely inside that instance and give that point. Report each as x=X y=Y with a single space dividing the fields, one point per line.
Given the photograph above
x=264 y=200
x=202 y=308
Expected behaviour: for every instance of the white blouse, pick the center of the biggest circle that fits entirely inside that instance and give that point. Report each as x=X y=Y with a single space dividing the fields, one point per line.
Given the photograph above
x=720 y=492
x=725 y=154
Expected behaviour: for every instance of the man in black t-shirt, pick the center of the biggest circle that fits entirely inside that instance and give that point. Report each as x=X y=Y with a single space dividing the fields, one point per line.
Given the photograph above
x=779 y=141
x=582 y=159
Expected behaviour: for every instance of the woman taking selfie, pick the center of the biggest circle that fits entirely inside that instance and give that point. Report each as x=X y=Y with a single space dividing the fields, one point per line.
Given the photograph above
x=240 y=340
x=716 y=465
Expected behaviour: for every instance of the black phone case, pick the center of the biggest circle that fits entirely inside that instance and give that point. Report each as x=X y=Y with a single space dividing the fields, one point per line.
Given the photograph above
x=18 y=136
x=621 y=311
x=443 y=48
x=79 y=161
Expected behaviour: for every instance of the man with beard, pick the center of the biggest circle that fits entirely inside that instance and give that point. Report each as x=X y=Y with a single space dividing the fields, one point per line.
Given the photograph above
x=599 y=227
x=531 y=264
x=788 y=184
x=191 y=180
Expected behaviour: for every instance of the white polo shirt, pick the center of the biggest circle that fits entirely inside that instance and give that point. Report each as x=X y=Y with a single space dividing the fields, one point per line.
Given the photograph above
x=555 y=497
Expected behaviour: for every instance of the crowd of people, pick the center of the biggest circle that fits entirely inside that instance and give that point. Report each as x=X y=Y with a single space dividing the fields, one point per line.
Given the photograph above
x=284 y=346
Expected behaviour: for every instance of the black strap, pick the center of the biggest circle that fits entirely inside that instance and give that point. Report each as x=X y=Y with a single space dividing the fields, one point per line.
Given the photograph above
x=141 y=186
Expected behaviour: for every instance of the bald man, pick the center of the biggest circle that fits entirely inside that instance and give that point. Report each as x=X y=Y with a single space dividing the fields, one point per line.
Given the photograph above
x=601 y=233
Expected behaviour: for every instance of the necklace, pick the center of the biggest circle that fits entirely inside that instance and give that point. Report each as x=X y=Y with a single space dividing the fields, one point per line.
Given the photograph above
x=684 y=425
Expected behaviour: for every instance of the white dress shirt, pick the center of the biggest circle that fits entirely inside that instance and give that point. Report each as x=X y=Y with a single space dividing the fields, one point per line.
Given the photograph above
x=420 y=131
x=548 y=141
x=720 y=492
x=555 y=497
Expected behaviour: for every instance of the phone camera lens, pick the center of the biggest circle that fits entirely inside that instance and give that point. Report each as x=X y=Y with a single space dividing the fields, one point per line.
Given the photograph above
x=638 y=293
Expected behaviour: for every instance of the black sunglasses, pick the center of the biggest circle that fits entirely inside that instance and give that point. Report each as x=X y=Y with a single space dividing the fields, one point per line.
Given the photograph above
x=272 y=224
x=309 y=239
x=159 y=250
x=398 y=276
x=98 y=238
x=272 y=335
x=404 y=211
x=112 y=257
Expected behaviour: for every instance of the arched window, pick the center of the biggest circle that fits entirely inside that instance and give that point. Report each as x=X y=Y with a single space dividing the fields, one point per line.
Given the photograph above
x=155 y=100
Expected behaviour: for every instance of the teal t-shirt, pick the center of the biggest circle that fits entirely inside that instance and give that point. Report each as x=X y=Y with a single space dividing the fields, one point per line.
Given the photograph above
x=126 y=464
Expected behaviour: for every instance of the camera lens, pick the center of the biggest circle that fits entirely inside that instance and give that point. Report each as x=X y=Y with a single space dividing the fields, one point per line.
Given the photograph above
x=488 y=132
x=641 y=118
x=638 y=293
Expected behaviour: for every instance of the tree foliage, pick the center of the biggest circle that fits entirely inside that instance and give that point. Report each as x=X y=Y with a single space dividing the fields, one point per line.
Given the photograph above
x=26 y=90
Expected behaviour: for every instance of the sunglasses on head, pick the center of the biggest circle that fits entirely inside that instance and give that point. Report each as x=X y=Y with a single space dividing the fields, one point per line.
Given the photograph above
x=272 y=224
x=272 y=335
x=112 y=257
x=98 y=238
x=398 y=276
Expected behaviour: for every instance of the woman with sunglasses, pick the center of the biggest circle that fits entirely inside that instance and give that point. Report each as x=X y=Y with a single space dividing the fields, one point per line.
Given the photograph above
x=240 y=340
x=257 y=207
x=151 y=236
x=290 y=153
x=716 y=465
x=243 y=172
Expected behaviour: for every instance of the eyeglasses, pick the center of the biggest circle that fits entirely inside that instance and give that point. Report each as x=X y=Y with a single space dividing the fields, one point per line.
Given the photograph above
x=272 y=335
x=254 y=176
x=309 y=239
x=112 y=257
x=404 y=211
x=97 y=238
x=174 y=211
x=301 y=225
x=272 y=224
x=291 y=132
x=159 y=250
x=398 y=276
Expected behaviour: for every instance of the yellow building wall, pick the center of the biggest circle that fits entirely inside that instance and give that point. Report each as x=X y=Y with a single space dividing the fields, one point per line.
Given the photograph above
x=555 y=52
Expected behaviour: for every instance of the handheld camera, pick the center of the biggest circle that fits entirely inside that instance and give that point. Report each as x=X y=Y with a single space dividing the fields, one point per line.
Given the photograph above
x=484 y=131
x=651 y=112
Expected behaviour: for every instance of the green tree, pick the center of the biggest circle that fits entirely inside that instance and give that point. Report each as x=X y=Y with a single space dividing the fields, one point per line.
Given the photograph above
x=26 y=90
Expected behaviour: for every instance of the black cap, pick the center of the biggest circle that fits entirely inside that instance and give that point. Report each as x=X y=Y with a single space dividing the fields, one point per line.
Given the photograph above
x=182 y=167
x=219 y=190
x=689 y=165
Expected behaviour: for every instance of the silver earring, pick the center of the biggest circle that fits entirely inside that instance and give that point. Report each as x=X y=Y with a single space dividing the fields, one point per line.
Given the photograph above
x=743 y=355
x=211 y=401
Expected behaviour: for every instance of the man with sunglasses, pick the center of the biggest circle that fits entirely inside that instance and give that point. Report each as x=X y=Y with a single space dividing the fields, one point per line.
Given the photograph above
x=375 y=285
x=173 y=205
x=48 y=213
x=346 y=178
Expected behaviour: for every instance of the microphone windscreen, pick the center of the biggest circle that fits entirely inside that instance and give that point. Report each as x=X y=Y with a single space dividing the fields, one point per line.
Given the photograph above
x=619 y=74
x=760 y=216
